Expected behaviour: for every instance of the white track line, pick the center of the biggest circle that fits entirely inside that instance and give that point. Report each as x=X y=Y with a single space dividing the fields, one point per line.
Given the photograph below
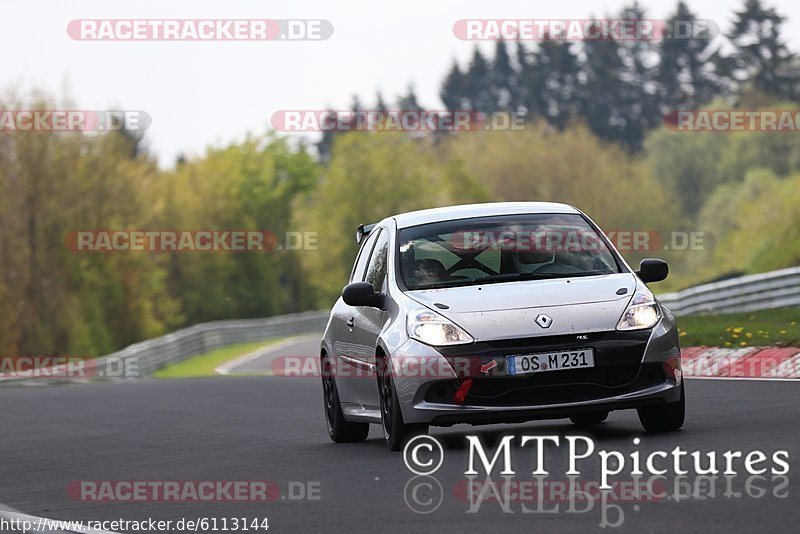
x=762 y=379
x=227 y=367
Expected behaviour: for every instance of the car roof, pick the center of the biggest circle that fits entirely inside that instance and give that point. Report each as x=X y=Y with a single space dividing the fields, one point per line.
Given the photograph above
x=488 y=209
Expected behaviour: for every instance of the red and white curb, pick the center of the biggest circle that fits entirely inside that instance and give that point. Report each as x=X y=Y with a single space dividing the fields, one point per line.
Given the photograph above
x=745 y=362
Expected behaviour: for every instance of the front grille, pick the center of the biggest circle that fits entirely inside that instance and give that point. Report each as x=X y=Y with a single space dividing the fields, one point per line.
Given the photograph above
x=618 y=369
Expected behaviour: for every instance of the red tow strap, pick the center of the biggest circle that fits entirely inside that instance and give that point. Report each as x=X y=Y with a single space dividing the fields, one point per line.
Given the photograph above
x=462 y=392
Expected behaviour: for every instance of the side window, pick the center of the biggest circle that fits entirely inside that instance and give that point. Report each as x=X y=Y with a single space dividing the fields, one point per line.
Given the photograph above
x=378 y=263
x=363 y=256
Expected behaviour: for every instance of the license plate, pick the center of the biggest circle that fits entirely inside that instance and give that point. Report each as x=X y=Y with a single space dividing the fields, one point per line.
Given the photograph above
x=520 y=364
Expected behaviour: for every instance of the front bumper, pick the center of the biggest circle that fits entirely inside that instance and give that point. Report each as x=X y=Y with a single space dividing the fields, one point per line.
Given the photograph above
x=632 y=369
x=448 y=414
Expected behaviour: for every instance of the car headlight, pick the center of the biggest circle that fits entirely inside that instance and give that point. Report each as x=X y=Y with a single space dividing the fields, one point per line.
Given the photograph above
x=433 y=329
x=642 y=312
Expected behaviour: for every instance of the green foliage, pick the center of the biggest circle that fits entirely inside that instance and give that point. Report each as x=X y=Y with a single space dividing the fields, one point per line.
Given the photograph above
x=761 y=218
x=764 y=328
x=249 y=186
x=55 y=301
x=372 y=176
x=741 y=189
x=695 y=164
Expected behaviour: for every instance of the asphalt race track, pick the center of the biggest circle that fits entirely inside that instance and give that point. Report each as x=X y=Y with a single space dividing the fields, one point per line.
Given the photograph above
x=272 y=428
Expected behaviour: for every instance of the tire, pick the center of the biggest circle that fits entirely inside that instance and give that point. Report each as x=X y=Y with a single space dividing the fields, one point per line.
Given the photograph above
x=339 y=429
x=589 y=418
x=395 y=431
x=665 y=417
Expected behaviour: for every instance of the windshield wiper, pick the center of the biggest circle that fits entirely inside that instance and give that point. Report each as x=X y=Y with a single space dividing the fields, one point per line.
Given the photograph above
x=507 y=277
x=530 y=276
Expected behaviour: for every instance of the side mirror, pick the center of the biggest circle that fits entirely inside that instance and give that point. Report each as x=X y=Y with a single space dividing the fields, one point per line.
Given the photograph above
x=361 y=294
x=652 y=270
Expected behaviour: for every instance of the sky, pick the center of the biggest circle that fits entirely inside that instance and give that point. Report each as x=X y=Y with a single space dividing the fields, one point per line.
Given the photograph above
x=199 y=94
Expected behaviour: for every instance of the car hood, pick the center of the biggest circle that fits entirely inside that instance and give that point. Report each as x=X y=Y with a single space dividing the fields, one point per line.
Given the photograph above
x=509 y=309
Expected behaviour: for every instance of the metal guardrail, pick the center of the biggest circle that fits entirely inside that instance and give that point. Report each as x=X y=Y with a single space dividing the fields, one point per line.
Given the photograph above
x=762 y=291
x=154 y=354
x=148 y=356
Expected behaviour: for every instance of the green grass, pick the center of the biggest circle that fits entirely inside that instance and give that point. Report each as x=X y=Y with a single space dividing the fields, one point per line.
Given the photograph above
x=778 y=327
x=204 y=364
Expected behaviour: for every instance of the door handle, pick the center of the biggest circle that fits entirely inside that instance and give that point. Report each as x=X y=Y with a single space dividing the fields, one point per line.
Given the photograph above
x=351 y=322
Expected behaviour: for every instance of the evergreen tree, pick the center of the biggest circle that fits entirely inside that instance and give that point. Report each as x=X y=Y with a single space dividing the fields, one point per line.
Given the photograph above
x=503 y=79
x=601 y=70
x=477 y=85
x=380 y=105
x=453 y=91
x=409 y=102
x=552 y=82
x=325 y=144
x=761 y=59
x=638 y=100
x=524 y=80
x=685 y=75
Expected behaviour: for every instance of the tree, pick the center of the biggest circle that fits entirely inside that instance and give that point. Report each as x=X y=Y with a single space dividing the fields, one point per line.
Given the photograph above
x=477 y=85
x=685 y=74
x=408 y=102
x=761 y=59
x=325 y=143
x=503 y=79
x=380 y=105
x=618 y=96
x=552 y=83
x=58 y=301
x=372 y=176
x=602 y=88
x=525 y=80
x=246 y=186
x=639 y=101
x=453 y=91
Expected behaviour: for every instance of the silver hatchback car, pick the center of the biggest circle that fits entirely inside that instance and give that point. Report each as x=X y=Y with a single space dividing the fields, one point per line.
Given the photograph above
x=493 y=313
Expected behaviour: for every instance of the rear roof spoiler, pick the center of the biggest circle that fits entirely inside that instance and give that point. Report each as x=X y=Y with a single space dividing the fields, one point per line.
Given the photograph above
x=363 y=231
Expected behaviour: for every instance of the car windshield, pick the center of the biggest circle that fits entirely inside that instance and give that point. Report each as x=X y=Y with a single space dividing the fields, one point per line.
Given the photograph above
x=502 y=249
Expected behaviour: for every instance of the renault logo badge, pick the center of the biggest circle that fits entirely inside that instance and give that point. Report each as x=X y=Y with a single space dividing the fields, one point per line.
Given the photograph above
x=544 y=320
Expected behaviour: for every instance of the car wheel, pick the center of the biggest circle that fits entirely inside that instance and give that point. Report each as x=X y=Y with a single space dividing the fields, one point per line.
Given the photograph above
x=665 y=417
x=589 y=418
x=339 y=429
x=395 y=431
